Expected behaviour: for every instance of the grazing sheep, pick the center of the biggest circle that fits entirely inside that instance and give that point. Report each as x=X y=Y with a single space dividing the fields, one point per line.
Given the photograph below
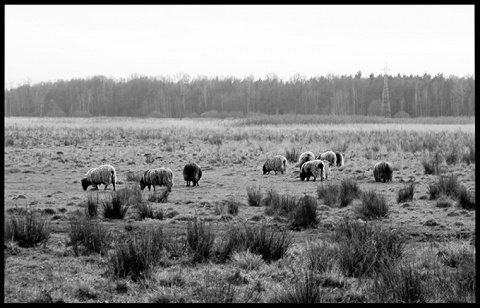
x=382 y=171
x=315 y=168
x=278 y=164
x=104 y=174
x=340 y=160
x=159 y=176
x=304 y=157
x=192 y=172
x=330 y=156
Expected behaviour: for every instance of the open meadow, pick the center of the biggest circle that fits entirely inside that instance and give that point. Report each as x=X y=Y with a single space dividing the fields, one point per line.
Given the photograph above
x=240 y=236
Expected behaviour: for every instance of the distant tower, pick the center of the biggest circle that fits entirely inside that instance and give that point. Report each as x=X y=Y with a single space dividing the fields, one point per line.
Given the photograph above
x=385 y=98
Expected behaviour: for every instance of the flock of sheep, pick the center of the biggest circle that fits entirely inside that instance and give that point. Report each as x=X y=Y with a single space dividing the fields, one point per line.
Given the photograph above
x=310 y=166
x=319 y=167
x=106 y=175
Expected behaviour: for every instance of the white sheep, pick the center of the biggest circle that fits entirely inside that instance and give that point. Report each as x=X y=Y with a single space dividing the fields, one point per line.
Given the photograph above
x=104 y=174
x=330 y=156
x=304 y=157
x=278 y=164
x=315 y=168
x=159 y=176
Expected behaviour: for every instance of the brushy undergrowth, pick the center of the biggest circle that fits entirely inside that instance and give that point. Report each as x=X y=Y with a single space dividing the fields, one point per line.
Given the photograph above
x=446 y=184
x=200 y=240
x=304 y=214
x=88 y=236
x=406 y=193
x=254 y=195
x=349 y=190
x=136 y=258
x=119 y=203
x=432 y=163
x=27 y=230
x=322 y=256
x=374 y=206
x=280 y=205
x=365 y=247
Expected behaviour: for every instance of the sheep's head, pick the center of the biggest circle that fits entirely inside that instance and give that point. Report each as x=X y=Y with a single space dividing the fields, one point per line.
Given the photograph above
x=264 y=169
x=143 y=184
x=85 y=183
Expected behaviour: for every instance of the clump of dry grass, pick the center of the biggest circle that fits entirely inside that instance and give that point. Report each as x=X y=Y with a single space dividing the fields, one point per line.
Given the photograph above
x=374 y=206
x=88 y=236
x=27 y=230
x=406 y=193
x=254 y=195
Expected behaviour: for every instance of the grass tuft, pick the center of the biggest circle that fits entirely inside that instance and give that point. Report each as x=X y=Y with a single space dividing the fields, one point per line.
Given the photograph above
x=254 y=195
x=374 y=206
x=88 y=236
x=406 y=193
x=27 y=230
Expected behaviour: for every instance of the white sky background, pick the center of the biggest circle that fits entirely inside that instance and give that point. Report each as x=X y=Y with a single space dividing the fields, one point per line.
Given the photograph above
x=59 y=42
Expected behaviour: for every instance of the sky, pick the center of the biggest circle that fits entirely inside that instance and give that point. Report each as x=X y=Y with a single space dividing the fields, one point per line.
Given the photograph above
x=61 y=42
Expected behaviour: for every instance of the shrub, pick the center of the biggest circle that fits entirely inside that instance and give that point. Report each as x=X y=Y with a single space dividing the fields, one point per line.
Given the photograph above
x=27 y=230
x=401 y=284
x=247 y=260
x=136 y=258
x=365 y=248
x=447 y=185
x=200 y=239
x=92 y=205
x=373 y=206
x=88 y=236
x=406 y=193
x=292 y=155
x=304 y=214
x=254 y=195
x=329 y=193
x=466 y=200
x=159 y=196
x=321 y=257
x=349 y=190
x=304 y=289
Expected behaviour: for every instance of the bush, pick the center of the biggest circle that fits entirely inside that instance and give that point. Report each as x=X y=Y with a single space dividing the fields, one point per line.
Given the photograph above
x=406 y=193
x=373 y=206
x=447 y=185
x=136 y=258
x=292 y=155
x=304 y=214
x=254 y=196
x=365 y=248
x=27 y=230
x=87 y=236
x=349 y=190
x=399 y=285
x=466 y=200
x=200 y=239
x=159 y=196
x=329 y=193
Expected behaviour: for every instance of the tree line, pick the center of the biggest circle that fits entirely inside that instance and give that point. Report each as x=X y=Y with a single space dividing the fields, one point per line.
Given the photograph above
x=183 y=96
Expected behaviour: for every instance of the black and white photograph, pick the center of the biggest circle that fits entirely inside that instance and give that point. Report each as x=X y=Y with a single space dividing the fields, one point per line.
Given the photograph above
x=216 y=153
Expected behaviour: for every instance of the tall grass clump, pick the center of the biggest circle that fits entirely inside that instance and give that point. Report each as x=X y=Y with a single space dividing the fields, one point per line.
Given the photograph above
x=292 y=154
x=399 y=284
x=406 y=193
x=305 y=288
x=27 y=230
x=304 y=214
x=431 y=164
x=159 y=196
x=330 y=193
x=469 y=156
x=322 y=256
x=200 y=240
x=228 y=207
x=247 y=260
x=254 y=195
x=446 y=184
x=374 y=206
x=466 y=200
x=349 y=190
x=88 y=236
x=280 y=205
x=92 y=205
x=136 y=258
x=365 y=247
x=119 y=203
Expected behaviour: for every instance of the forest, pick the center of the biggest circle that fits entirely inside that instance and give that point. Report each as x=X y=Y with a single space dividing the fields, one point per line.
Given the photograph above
x=182 y=96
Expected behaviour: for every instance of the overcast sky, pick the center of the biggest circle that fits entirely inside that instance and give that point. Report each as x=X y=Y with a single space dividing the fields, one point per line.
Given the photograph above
x=59 y=42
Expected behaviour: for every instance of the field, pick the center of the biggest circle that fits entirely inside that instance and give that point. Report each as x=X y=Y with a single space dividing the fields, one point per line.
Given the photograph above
x=433 y=234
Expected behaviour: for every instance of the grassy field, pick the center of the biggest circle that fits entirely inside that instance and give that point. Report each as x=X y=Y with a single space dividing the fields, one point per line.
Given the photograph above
x=240 y=236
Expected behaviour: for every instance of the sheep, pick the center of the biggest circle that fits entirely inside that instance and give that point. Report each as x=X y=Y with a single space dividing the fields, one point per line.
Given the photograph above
x=340 y=160
x=315 y=168
x=382 y=171
x=104 y=174
x=278 y=164
x=192 y=173
x=330 y=156
x=304 y=157
x=159 y=176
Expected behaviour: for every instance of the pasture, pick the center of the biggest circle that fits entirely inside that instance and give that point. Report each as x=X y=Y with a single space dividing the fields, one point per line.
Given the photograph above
x=46 y=158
